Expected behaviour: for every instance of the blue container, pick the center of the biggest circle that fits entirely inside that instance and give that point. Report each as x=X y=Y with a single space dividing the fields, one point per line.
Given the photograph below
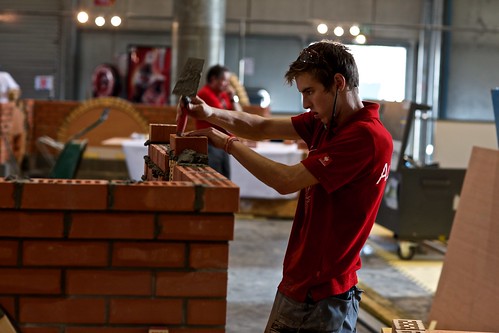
x=495 y=104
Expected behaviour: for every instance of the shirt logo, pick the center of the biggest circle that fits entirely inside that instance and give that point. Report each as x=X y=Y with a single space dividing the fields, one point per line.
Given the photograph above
x=325 y=160
x=384 y=173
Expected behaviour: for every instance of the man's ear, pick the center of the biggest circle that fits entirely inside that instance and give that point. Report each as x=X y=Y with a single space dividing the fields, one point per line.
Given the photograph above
x=339 y=81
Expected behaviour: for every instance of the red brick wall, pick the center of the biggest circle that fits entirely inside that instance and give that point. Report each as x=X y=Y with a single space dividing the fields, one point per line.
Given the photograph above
x=94 y=256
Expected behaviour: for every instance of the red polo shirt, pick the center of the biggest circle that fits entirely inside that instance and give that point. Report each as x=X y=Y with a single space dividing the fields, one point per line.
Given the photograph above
x=334 y=217
x=220 y=101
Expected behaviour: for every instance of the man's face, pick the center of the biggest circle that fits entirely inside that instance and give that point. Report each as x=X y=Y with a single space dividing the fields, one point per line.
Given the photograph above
x=315 y=97
x=220 y=84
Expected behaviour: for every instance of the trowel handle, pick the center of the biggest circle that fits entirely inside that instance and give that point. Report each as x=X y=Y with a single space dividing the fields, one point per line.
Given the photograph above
x=182 y=119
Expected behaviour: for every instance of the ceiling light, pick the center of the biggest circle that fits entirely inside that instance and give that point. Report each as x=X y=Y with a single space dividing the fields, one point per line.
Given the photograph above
x=354 y=30
x=115 y=21
x=82 y=17
x=100 y=21
x=322 y=28
x=360 y=39
x=338 y=31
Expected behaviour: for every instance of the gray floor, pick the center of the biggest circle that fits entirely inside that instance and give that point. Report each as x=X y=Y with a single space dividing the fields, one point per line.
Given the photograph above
x=255 y=262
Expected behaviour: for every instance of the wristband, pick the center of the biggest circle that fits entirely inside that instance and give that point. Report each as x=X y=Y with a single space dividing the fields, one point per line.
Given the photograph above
x=228 y=143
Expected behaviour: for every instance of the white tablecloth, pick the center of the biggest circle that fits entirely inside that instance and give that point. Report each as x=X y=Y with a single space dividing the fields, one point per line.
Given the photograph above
x=251 y=187
x=134 y=156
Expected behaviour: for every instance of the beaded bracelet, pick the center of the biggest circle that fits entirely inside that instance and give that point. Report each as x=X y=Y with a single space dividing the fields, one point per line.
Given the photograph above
x=228 y=143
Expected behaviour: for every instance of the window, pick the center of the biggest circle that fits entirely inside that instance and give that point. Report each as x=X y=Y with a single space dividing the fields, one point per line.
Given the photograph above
x=382 y=71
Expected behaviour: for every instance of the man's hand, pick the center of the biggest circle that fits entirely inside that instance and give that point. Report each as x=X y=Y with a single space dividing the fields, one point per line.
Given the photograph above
x=197 y=108
x=216 y=138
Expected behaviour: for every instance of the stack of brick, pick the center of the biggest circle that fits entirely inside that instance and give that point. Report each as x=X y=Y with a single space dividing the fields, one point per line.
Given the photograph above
x=165 y=149
x=6 y=114
x=99 y=256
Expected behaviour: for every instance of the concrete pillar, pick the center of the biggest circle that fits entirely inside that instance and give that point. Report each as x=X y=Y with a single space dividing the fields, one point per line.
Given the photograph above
x=198 y=31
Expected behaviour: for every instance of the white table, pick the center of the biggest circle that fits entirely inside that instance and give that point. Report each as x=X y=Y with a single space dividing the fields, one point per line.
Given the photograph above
x=250 y=186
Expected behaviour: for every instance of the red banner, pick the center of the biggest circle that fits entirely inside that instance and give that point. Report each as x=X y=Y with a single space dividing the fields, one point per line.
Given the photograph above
x=104 y=2
x=149 y=75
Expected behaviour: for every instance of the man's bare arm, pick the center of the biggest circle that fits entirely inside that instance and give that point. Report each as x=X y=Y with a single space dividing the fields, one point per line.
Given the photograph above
x=281 y=177
x=243 y=124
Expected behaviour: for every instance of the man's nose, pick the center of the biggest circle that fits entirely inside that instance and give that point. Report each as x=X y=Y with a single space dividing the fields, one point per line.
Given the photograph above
x=305 y=102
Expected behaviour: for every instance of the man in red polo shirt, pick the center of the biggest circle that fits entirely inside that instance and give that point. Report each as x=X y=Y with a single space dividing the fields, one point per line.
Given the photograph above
x=218 y=93
x=341 y=185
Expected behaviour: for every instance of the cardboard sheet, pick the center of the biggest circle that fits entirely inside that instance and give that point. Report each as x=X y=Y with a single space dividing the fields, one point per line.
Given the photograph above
x=467 y=296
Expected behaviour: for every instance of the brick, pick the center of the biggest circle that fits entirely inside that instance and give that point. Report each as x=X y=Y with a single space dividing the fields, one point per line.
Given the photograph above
x=31 y=224
x=218 y=193
x=191 y=284
x=30 y=281
x=161 y=132
x=6 y=194
x=197 y=143
x=157 y=163
x=159 y=156
x=65 y=253
x=109 y=282
x=62 y=310
x=196 y=330
x=8 y=305
x=149 y=176
x=153 y=196
x=193 y=173
x=146 y=311
x=206 y=312
x=220 y=196
x=201 y=171
x=87 y=329
x=8 y=252
x=157 y=254
x=196 y=226
x=209 y=255
x=43 y=329
x=112 y=225
x=64 y=194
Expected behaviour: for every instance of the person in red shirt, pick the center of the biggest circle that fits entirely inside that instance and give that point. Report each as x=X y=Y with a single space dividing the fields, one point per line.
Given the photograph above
x=218 y=93
x=341 y=184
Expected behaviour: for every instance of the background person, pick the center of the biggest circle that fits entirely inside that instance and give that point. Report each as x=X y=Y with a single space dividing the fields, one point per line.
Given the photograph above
x=218 y=92
x=15 y=134
x=341 y=184
x=9 y=89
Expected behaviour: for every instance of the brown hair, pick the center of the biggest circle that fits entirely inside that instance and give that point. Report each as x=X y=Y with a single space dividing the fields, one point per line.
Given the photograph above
x=322 y=60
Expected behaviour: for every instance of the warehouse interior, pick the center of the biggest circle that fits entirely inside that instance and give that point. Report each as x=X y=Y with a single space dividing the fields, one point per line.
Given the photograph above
x=104 y=230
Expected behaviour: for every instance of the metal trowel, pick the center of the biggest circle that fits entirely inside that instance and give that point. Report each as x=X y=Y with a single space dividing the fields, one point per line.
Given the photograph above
x=187 y=87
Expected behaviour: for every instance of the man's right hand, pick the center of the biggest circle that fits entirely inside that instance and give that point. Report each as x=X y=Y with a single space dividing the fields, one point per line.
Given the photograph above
x=199 y=109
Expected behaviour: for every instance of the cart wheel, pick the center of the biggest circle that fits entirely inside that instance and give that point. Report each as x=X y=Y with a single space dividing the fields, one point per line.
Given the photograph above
x=406 y=250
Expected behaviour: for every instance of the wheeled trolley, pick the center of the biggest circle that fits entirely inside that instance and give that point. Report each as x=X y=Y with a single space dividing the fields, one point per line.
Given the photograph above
x=419 y=204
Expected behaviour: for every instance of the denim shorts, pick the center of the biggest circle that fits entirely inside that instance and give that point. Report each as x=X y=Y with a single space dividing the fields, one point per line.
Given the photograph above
x=333 y=314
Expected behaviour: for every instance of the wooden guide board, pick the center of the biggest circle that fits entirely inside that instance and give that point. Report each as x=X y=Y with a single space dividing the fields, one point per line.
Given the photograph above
x=467 y=296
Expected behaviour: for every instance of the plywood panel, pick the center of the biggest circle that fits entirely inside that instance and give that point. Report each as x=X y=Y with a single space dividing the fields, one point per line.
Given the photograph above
x=466 y=297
